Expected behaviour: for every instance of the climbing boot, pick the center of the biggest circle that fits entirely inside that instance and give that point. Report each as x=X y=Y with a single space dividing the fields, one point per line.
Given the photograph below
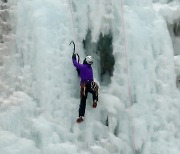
x=94 y=104
x=80 y=119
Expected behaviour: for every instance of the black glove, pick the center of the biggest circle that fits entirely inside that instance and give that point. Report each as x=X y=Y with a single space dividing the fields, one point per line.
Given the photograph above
x=74 y=56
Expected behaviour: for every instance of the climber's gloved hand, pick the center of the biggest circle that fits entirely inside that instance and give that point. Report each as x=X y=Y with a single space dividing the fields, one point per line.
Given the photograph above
x=74 y=56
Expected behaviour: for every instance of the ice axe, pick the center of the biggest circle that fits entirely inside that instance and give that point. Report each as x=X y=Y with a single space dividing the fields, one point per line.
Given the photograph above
x=74 y=50
x=74 y=46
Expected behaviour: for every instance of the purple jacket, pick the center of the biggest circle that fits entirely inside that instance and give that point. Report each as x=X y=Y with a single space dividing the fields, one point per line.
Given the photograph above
x=86 y=72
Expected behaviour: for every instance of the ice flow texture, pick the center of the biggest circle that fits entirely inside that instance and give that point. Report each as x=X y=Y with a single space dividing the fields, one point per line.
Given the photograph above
x=39 y=88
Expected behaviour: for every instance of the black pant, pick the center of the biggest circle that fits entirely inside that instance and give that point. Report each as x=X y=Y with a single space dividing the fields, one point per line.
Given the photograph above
x=91 y=87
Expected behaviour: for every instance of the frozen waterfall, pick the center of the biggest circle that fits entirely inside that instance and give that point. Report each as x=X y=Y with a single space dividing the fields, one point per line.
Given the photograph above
x=136 y=49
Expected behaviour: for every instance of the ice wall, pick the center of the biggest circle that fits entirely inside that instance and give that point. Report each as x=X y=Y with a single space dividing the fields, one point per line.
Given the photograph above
x=150 y=63
x=170 y=12
x=138 y=111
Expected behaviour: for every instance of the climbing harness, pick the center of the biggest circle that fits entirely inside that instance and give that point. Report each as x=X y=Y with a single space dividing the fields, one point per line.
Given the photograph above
x=83 y=90
x=95 y=87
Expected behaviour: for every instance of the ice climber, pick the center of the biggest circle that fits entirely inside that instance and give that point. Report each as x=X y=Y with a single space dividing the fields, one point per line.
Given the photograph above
x=87 y=84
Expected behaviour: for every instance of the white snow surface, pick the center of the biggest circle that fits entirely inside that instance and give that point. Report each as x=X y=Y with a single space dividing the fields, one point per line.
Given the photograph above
x=137 y=113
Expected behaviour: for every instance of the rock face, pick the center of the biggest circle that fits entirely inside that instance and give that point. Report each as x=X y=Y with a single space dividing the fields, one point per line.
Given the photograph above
x=5 y=27
x=5 y=44
x=177 y=28
x=107 y=59
x=102 y=51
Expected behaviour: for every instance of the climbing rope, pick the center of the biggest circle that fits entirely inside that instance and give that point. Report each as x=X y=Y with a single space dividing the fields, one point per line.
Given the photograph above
x=127 y=68
x=73 y=21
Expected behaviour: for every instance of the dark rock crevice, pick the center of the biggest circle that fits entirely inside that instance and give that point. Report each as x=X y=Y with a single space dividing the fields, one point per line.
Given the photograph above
x=107 y=60
x=177 y=29
x=102 y=52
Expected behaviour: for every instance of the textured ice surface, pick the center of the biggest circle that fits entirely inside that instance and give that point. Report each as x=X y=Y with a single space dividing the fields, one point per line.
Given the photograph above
x=39 y=96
